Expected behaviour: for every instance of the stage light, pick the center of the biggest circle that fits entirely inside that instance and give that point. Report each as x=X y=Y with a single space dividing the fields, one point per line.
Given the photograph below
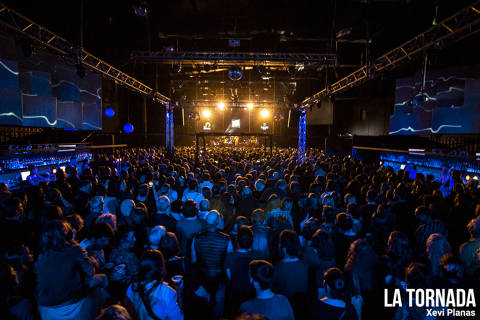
x=265 y=113
x=467 y=178
x=128 y=127
x=250 y=106
x=207 y=113
x=109 y=112
x=475 y=178
x=221 y=106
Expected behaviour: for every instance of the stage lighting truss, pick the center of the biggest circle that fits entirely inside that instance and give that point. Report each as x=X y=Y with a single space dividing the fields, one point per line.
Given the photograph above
x=169 y=127
x=302 y=135
x=16 y=22
x=462 y=24
x=222 y=59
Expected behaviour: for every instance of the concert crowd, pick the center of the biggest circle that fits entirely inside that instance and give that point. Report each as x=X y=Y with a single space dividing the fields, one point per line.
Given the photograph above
x=231 y=234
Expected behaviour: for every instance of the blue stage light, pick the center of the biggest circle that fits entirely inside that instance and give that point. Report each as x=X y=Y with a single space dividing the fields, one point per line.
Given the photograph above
x=109 y=112
x=128 y=128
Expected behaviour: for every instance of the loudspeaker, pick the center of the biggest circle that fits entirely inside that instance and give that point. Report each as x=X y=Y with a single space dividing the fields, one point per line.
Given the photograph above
x=179 y=117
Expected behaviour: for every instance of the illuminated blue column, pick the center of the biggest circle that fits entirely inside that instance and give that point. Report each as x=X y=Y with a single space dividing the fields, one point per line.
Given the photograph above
x=169 y=128
x=302 y=135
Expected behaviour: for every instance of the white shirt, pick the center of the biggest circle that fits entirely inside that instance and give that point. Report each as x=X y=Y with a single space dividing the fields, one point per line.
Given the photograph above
x=163 y=301
x=195 y=196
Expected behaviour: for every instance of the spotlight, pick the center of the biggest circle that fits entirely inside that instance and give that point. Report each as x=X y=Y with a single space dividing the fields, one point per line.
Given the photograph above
x=475 y=178
x=80 y=70
x=250 y=106
x=207 y=113
x=265 y=113
x=109 y=112
x=128 y=127
x=221 y=106
x=467 y=178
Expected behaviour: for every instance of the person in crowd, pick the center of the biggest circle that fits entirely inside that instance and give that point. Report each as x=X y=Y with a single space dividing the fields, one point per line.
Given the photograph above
x=149 y=297
x=65 y=276
x=372 y=222
x=208 y=251
x=267 y=303
x=237 y=268
x=470 y=260
x=189 y=226
x=99 y=236
x=163 y=216
x=334 y=304
x=291 y=275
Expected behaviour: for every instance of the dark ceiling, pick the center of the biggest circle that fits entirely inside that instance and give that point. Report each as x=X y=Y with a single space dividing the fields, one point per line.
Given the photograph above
x=112 y=30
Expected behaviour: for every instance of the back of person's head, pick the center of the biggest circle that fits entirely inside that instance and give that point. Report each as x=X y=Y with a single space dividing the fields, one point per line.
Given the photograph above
x=163 y=203
x=335 y=280
x=422 y=214
x=258 y=216
x=310 y=227
x=323 y=243
x=109 y=218
x=169 y=245
x=11 y=208
x=207 y=192
x=344 y=221
x=76 y=221
x=329 y=214
x=204 y=205
x=192 y=184
x=240 y=221
x=3 y=187
x=287 y=203
x=152 y=266
x=474 y=227
x=290 y=242
x=371 y=196
x=398 y=246
x=244 y=237
x=99 y=190
x=213 y=218
x=142 y=190
x=261 y=271
x=114 y=312
x=56 y=235
x=176 y=206
x=417 y=276
x=156 y=234
x=96 y=204
x=189 y=208
x=101 y=230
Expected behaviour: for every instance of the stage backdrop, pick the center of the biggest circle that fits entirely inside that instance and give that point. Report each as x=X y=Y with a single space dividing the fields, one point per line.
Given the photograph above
x=44 y=90
x=451 y=103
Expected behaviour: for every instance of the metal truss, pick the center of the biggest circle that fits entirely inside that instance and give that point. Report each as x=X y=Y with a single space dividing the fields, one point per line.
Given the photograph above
x=302 y=135
x=169 y=128
x=28 y=28
x=460 y=25
x=235 y=58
